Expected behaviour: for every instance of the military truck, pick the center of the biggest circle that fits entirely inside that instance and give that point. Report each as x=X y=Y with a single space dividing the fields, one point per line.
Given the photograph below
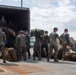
x=20 y=16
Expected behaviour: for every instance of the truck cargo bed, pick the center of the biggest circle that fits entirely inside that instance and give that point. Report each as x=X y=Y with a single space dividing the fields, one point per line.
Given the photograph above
x=19 y=16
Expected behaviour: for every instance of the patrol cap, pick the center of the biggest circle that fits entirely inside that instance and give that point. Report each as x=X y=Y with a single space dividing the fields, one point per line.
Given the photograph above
x=26 y=31
x=65 y=29
x=55 y=28
x=21 y=31
x=46 y=31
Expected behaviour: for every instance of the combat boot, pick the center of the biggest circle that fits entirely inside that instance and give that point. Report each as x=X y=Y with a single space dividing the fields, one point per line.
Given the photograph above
x=48 y=59
x=62 y=59
x=4 y=61
x=56 y=60
x=39 y=59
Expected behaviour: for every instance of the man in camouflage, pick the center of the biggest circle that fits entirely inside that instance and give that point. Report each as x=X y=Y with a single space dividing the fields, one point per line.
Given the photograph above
x=2 y=44
x=65 y=40
x=53 y=43
x=45 y=43
x=3 y=23
x=21 y=44
x=27 y=43
x=37 y=45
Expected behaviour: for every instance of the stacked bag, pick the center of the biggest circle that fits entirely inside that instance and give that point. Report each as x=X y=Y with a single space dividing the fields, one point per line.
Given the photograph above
x=71 y=55
x=37 y=32
x=11 y=54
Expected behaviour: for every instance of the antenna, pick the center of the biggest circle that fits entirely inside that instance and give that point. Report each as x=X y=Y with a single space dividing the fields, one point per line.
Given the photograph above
x=21 y=3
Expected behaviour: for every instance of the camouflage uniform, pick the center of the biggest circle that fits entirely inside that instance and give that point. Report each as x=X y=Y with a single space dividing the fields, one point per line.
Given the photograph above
x=21 y=43
x=2 y=45
x=37 y=45
x=3 y=23
x=45 y=42
x=64 y=41
x=37 y=48
x=53 y=43
x=28 y=45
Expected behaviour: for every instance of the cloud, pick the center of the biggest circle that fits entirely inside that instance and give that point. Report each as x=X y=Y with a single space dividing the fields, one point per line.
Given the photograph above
x=11 y=2
x=49 y=16
x=71 y=25
x=17 y=0
x=64 y=2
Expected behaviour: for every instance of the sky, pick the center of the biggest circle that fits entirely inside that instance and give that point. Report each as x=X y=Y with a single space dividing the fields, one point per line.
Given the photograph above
x=47 y=14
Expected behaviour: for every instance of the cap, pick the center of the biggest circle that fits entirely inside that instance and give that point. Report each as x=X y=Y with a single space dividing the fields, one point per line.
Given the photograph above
x=55 y=28
x=65 y=29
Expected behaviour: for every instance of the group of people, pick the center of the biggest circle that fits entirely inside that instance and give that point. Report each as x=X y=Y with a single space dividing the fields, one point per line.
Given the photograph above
x=49 y=43
x=2 y=38
x=19 y=41
x=22 y=44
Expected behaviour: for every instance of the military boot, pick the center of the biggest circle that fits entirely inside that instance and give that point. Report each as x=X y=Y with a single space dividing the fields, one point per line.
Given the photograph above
x=4 y=61
x=39 y=59
x=48 y=60
x=56 y=60
x=63 y=59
